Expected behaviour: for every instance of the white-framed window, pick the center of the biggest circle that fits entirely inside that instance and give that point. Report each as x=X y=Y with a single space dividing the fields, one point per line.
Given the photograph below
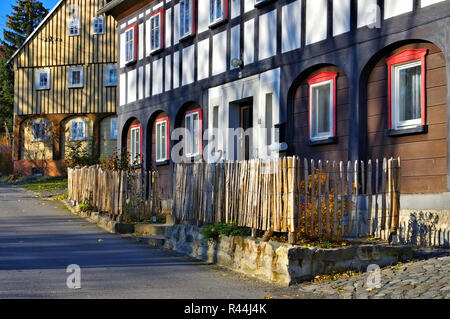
x=186 y=18
x=193 y=126
x=98 y=25
x=407 y=95
x=130 y=44
x=322 y=106
x=156 y=27
x=111 y=75
x=217 y=11
x=162 y=141
x=135 y=145
x=39 y=128
x=42 y=79
x=76 y=77
x=74 y=27
x=78 y=130
x=113 y=129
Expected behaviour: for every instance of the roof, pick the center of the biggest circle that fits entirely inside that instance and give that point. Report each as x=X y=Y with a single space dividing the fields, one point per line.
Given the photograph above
x=35 y=31
x=109 y=6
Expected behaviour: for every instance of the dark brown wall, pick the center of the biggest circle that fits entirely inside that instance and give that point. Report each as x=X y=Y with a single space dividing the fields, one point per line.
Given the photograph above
x=424 y=156
x=338 y=151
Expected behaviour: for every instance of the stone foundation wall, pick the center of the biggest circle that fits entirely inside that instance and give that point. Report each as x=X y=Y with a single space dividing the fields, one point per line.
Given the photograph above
x=277 y=262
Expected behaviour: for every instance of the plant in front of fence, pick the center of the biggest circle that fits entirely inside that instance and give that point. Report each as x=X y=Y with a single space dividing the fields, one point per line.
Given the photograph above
x=213 y=231
x=318 y=221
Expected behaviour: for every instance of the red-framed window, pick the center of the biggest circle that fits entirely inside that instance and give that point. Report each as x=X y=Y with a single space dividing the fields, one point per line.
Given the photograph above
x=322 y=106
x=407 y=89
x=194 y=141
x=157 y=31
x=162 y=137
x=187 y=18
x=131 y=42
x=218 y=11
x=136 y=144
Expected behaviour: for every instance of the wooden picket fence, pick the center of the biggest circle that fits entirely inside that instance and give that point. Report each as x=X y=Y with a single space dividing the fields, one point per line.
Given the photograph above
x=290 y=195
x=115 y=192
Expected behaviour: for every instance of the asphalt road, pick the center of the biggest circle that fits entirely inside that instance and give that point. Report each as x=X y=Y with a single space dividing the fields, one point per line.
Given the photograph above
x=39 y=239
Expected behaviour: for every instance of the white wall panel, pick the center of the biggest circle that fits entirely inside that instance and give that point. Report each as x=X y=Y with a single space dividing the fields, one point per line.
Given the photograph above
x=148 y=80
x=157 y=83
x=123 y=89
x=188 y=65
x=147 y=38
x=141 y=42
x=176 y=69
x=122 y=50
x=291 y=16
x=235 y=8
x=394 y=8
x=168 y=73
x=219 y=61
x=425 y=3
x=341 y=16
x=131 y=86
x=368 y=12
x=203 y=17
x=203 y=59
x=249 y=5
x=141 y=83
x=235 y=52
x=268 y=35
x=168 y=24
x=316 y=21
x=249 y=42
x=176 y=24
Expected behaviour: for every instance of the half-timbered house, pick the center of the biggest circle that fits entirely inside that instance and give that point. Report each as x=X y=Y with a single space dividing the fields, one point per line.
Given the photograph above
x=65 y=88
x=324 y=79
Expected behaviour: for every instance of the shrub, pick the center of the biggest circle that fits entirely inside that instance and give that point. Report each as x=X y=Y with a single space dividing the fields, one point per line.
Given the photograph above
x=77 y=155
x=212 y=232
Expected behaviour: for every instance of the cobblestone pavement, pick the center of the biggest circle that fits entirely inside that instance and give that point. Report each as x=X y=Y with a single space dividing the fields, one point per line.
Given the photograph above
x=422 y=279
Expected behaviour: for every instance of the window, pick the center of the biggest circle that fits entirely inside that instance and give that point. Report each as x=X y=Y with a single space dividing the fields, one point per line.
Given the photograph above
x=217 y=11
x=74 y=27
x=156 y=34
x=42 y=79
x=135 y=147
x=98 y=24
x=193 y=125
x=113 y=129
x=131 y=44
x=39 y=131
x=186 y=18
x=76 y=77
x=110 y=75
x=162 y=139
x=78 y=130
x=406 y=82
x=322 y=104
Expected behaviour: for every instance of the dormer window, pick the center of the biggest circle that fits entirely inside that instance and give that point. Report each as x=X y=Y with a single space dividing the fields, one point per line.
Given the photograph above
x=186 y=18
x=217 y=11
x=156 y=27
x=131 y=44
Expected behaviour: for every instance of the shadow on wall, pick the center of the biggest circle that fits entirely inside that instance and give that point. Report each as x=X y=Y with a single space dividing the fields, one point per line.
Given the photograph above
x=425 y=229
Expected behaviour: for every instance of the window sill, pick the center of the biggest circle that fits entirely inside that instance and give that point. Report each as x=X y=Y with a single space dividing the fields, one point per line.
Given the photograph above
x=130 y=63
x=110 y=85
x=78 y=140
x=155 y=52
x=330 y=140
x=162 y=163
x=421 y=129
x=76 y=87
x=217 y=23
x=186 y=37
x=262 y=3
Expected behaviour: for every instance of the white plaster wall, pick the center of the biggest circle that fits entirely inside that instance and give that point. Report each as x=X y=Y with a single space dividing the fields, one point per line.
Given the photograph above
x=291 y=16
x=219 y=62
x=157 y=84
x=249 y=39
x=267 y=35
x=188 y=65
x=341 y=17
x=316 y=21
x=394 y=8
x=203 y=59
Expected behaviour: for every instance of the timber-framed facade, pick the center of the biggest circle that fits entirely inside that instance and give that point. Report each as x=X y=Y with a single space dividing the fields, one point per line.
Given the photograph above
x=275 y=58
x=65 y=88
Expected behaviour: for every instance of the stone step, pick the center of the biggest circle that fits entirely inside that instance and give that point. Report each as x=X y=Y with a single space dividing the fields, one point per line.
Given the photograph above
x=151 y=229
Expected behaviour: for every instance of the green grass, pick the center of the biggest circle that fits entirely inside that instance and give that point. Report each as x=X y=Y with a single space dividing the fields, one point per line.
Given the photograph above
x=46 y=184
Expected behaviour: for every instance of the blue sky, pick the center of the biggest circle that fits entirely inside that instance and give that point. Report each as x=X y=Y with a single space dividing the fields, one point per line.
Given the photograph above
x=5 y=8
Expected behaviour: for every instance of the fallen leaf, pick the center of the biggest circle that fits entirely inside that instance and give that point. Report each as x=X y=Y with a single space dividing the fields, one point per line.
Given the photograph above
x=267 y=298
x=6 y=213
x=100 y=240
